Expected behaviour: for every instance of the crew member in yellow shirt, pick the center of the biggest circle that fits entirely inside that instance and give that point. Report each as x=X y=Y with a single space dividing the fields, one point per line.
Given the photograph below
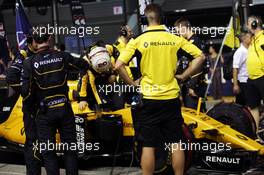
x=255 y=66
x=159 y=117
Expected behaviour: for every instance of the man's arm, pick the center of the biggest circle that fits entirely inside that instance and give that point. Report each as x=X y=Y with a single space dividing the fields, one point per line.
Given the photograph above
x=13 y=75
x=27 y=81
x=123 y=59
x=123 y=73
x=196 y=63
x=77 y=63
x=236 y=88
x=236 y=64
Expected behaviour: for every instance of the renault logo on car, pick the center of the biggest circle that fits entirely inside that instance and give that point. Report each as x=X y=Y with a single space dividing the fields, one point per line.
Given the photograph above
x=36 y=65
x=146 y=44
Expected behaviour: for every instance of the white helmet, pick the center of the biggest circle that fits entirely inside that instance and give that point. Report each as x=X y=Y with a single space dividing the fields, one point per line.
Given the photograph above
x=100 y=59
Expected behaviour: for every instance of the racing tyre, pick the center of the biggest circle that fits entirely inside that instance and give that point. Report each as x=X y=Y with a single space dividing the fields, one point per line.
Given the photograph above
x=237 y=116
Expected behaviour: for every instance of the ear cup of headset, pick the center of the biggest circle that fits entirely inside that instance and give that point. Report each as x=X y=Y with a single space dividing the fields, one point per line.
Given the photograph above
x=123 y=31
x=254 y=24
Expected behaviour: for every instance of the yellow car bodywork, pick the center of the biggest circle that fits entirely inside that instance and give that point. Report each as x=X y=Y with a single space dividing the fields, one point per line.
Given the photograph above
x=13 y=129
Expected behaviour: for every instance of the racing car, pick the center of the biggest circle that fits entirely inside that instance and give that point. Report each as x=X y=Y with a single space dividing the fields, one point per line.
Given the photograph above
x=111 y=133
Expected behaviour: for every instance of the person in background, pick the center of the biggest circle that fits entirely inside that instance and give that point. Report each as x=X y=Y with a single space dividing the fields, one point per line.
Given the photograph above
x=240 y=74
x=125 y=35
x=4 y=56
x=217 y=79
x=196 y=86
x=255 y=67
x=13 y=53
x=2 y=67
x=13 y=79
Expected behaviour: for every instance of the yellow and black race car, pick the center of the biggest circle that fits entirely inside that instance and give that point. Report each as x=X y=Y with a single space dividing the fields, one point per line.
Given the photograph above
x=221 y=140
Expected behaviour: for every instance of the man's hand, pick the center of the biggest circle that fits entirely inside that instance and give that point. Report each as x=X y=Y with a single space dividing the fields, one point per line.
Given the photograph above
x=192 y=93
x=180 y=78
x=193 y=67
x=83 y=105
x=120 y=68
x=137 y=82
x=236 y=89
x=112 y=79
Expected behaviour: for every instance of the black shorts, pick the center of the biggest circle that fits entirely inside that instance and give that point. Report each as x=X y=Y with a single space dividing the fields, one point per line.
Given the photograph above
x=158 y=121
x=255 y=92
x=242 y=98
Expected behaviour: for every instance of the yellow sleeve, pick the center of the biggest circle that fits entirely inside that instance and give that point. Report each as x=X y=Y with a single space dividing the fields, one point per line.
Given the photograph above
x=261 y=44
x=190 y=48
x=83 y=90
x=110 y=49
x=128 y=52
x=93 y=86
x=23 y=53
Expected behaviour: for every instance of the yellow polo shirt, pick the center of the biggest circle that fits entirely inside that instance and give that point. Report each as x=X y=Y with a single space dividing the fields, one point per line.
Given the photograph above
x=255 y=60
x=158 y=49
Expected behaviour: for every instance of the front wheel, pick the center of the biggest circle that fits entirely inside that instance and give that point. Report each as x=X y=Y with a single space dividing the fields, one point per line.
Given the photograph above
x=238 y=117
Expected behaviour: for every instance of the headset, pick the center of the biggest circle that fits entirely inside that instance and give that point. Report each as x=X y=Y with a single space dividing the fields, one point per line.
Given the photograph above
x=254 y=24
x=123 y=31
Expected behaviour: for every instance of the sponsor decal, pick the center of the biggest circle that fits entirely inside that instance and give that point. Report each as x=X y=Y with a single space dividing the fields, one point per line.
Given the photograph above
x=22 y=131
x=6 y=109
x=48 y=61
x=80 y=133
x=57 y=101
x=163 y=43
x=242 y=137
x=146 y=44
x=36 y=65
x=217 y=159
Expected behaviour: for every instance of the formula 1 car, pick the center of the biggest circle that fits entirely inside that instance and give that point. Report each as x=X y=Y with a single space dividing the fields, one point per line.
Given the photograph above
x=221 y=140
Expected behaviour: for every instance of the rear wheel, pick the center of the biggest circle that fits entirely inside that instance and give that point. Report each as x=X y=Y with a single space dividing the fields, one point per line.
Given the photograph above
x=237 y=116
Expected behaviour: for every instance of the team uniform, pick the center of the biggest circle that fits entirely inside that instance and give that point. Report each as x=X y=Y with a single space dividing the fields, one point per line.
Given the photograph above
x=239 y=62
x=159 y=115
x=255 y=68
x=93 y=90
x=44 y=83
x=13 y=78
x=94 y=85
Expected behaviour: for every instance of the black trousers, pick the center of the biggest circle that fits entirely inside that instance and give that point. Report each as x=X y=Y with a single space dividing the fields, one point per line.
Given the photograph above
x=48 y=122
x=32 y=156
